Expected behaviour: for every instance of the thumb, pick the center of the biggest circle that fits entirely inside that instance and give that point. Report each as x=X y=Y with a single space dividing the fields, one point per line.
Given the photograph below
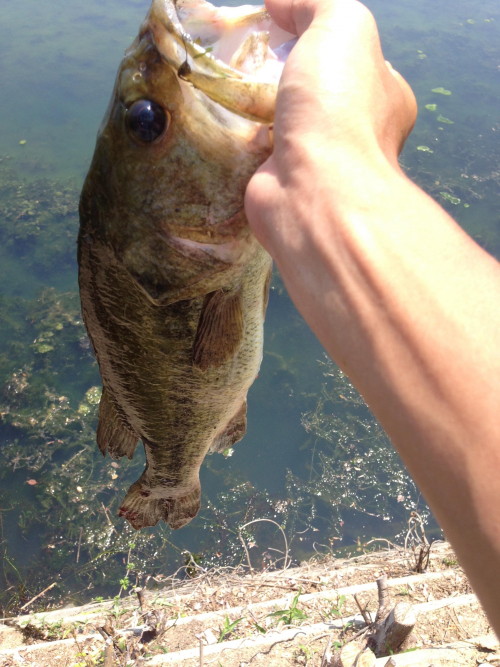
x=296 y=16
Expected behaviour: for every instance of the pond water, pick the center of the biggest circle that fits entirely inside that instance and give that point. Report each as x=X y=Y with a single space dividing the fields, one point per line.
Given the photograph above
x=314 y=459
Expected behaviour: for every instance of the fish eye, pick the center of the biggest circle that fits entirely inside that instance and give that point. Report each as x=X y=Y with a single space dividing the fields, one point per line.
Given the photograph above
x=146 y=120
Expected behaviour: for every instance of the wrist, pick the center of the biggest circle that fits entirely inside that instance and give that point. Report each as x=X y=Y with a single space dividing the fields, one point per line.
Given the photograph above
x=326 y=193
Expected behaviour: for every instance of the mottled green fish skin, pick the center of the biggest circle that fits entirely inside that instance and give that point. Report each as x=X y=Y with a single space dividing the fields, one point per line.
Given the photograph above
x=173 y=285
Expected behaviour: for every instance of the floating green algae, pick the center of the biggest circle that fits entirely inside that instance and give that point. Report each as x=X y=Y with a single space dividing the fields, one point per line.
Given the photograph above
x=431 y=107
x=450 y=198
x=441 y=91
x=424 y=149
x=442 y=119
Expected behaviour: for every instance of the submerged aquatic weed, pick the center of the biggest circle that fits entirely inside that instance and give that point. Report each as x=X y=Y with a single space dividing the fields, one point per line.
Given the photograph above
x=38 y=220
x=93 y=395
x=43 y=348
x=355 y=468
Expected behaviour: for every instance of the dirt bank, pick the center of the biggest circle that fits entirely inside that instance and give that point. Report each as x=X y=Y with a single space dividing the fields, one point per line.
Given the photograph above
x=322 y=613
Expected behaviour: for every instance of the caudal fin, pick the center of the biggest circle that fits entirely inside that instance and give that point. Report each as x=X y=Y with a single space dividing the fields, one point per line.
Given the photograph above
x=143 y=506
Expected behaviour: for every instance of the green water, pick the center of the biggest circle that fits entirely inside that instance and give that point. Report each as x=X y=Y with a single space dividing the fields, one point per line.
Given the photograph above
x=314 y=459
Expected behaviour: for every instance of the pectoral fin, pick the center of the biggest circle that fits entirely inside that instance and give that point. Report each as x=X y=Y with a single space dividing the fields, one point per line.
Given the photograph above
x=220 y=329
x=113 y=434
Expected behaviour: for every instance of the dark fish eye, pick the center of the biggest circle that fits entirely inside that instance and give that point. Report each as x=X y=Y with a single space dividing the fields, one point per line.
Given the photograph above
x=146 y=120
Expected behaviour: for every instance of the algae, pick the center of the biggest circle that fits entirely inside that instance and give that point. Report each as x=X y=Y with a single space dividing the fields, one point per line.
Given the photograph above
x=453 y=200
x=38 y=220
x=441 y=91
x=354 y=468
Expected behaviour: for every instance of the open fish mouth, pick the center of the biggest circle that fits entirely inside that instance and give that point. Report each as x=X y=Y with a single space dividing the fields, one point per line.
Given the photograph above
x=235 y=55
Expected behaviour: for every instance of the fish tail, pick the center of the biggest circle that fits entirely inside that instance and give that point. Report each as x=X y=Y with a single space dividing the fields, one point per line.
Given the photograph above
x=182 y=510
x=142 y=507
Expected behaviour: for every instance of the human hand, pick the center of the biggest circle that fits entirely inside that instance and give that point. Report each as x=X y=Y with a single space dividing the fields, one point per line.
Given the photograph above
x=338 y=102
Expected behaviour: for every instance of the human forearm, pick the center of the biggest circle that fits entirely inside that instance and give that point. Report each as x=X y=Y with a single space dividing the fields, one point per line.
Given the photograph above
x=398 y=294
x=404 y=301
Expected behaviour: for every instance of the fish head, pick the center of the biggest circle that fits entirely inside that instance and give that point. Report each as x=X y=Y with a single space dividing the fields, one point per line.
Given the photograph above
x=182 y=136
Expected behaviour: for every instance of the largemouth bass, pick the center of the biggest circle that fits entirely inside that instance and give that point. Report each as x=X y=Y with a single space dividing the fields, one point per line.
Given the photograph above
x=173 y=285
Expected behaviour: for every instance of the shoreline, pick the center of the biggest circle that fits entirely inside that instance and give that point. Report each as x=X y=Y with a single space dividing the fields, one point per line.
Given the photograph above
x=307 y=615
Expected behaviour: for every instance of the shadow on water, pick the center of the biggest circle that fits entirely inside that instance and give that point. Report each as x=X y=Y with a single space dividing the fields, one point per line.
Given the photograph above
x=314 y=458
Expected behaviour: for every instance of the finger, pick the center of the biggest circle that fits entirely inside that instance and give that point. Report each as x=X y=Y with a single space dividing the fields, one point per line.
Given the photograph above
x=296 y=16
x=408 y=103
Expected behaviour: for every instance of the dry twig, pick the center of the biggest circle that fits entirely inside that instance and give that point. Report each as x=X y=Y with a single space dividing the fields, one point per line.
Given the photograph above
x=362 y=610
x=37 y=596
x=286 y=565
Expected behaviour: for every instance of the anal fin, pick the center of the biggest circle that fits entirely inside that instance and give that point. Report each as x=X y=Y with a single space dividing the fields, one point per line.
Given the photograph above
x=114 y=435
x=220 y=329
x=234 y=431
